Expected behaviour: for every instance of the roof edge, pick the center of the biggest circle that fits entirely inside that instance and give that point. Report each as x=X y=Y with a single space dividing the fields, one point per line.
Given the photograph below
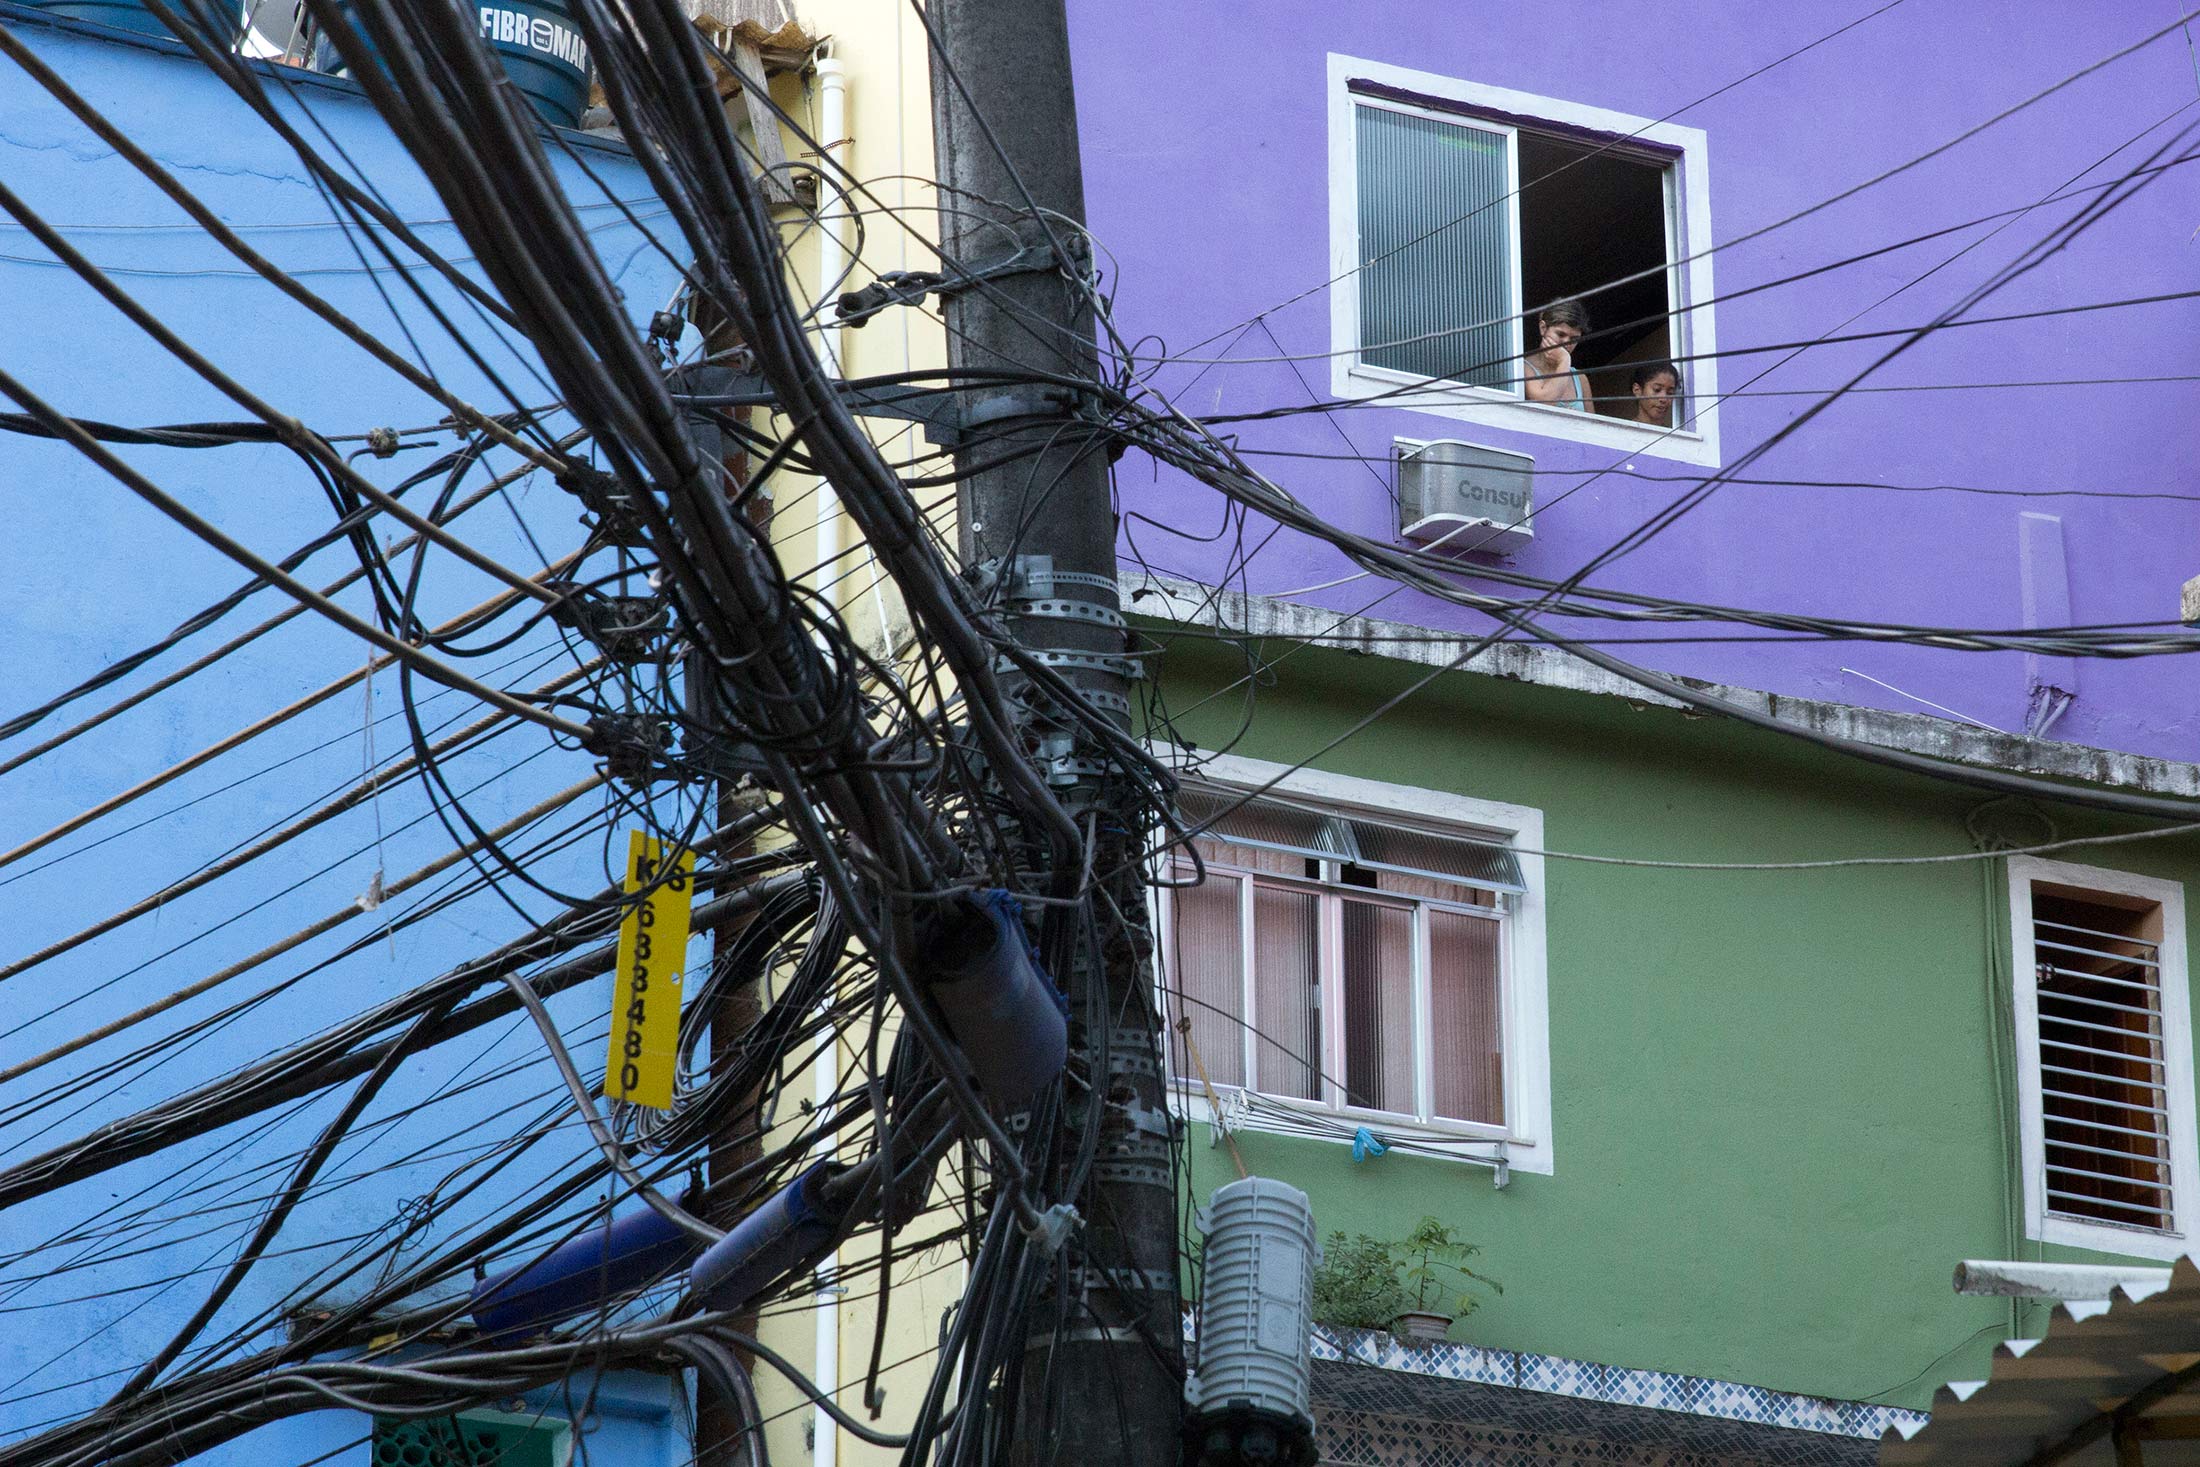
x=1170 y=598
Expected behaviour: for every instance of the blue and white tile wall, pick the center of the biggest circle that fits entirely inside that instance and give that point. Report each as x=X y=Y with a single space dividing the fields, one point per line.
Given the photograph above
x=1583 y=1380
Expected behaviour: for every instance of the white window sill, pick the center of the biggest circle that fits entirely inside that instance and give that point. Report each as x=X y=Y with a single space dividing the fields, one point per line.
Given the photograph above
x=1492 y=408
x=1455 y=1141
x=2108 y=1238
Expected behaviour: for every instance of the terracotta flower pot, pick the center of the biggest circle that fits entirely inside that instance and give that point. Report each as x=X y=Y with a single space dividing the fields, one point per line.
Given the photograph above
x=1421 y=1327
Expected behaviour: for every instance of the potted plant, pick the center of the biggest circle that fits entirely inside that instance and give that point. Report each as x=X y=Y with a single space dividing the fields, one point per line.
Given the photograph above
x=1416 y=1287
x=1436 y=1272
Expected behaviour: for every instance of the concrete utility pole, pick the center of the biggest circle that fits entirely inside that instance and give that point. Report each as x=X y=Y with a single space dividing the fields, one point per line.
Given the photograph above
x=1106 y=1389
x=721 y=1435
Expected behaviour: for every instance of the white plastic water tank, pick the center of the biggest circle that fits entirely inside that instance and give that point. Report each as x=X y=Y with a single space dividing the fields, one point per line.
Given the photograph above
x=1250 y=1400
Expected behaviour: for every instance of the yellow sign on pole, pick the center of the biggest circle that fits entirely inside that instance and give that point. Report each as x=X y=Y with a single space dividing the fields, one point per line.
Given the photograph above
x=645 y=1005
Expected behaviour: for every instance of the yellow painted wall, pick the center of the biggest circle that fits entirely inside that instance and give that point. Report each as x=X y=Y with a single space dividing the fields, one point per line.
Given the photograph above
x=887 y=147
x=890 y=211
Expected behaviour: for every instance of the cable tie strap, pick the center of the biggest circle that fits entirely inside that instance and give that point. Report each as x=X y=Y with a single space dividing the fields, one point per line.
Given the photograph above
x=1050 y=707
x=1033 y=578
x=1055 y=609
x=1152 y=1121
x=1085 y=578
x=1089 y=1278
x=1122 y=667
x=1007 y=404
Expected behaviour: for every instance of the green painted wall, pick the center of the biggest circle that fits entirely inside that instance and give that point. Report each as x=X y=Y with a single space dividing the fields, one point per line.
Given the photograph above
x=1774 y=1108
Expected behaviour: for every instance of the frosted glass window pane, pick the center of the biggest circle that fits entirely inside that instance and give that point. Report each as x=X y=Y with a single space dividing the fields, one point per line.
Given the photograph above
x=1206 y=977
x=1435 y=249
x=1231 y=823
x=1287 y=1056
x=1378 y=1006
x=1466 y=1018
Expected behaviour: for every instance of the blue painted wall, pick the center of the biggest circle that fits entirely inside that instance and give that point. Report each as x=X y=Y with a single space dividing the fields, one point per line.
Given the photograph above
x=95 y=1277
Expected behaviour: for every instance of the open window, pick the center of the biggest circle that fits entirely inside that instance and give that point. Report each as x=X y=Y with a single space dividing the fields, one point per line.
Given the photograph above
x=1459 y=210
x=1597 y=227
x=1454 y=211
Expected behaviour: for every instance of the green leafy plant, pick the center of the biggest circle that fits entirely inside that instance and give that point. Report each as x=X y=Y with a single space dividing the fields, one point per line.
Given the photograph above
x=1433 y=1252
x=1366 y=1282
x=1357 y=1285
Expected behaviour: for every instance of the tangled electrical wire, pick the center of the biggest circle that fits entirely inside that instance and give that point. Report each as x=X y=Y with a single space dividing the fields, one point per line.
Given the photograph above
x=855 y=810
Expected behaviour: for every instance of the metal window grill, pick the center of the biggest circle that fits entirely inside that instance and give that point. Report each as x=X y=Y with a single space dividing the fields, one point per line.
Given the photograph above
x=441 y=1441
x=2104 y=1093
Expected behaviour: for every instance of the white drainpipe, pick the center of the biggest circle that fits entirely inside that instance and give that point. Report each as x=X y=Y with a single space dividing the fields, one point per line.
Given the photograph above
x=832 y=260
x=825 y=1369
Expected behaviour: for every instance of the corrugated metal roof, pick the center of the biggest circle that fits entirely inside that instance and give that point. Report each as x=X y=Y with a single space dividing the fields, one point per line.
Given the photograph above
x=2113 y=1387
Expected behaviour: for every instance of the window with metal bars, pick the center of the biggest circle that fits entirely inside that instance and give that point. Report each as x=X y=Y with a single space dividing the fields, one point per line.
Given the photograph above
x=2104 y=1058
x=2104 y=1063
x=1342 y=961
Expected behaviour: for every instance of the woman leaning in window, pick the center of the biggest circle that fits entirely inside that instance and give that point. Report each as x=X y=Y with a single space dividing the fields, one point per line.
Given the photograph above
x=1551 y=377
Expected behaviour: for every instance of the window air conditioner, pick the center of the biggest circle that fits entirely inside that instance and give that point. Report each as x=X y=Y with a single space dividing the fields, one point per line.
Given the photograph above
x=1464 y=496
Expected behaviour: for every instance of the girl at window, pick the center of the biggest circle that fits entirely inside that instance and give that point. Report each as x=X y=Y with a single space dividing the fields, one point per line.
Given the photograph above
x=1656 y=386
x=1551 y=377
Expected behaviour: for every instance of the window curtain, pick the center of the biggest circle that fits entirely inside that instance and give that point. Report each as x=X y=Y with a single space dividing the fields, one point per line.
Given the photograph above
x=1466 y=1018
x=1206 y=978
x=1287 y=1057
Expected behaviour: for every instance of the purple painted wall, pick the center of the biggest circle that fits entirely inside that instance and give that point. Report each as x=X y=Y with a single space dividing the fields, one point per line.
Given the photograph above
x=1205 y=144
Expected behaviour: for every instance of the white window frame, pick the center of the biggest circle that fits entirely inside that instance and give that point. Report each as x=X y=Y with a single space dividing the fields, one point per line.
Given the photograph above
x=1523 y=965
x=2039 y=1225
x=1688 y=229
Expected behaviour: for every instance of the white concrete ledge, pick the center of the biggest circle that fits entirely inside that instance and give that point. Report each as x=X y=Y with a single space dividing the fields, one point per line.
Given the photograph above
x=2015 y=1279
x=1167 y=598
